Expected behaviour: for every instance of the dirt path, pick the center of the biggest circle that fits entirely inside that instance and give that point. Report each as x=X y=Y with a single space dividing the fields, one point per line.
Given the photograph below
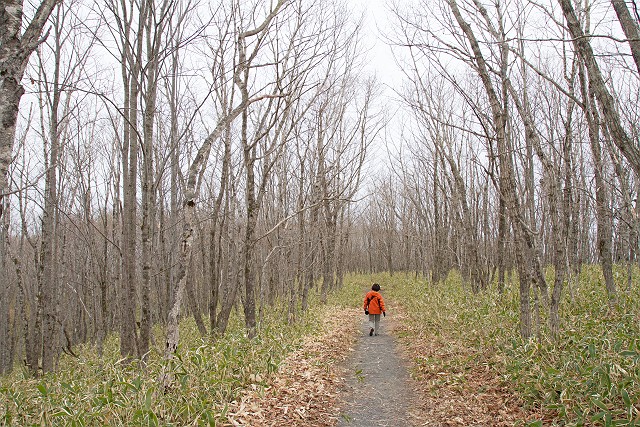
x=378 y=393
x=342 y=376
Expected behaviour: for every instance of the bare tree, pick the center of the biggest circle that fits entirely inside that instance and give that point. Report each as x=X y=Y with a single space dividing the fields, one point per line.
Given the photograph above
x=630 y=28
x=597 y=84
x=196 y=167
x=15 y=49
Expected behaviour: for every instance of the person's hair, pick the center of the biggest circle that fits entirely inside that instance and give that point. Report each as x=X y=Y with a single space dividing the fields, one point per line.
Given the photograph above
x=375 y=287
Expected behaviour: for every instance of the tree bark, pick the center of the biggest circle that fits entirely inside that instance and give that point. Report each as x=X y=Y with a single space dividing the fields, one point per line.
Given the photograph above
x=131 y=66
x=597 y=85
x=230 y=285
x=506 y=178
x=603 y=213
x=630 y=28
x=188 y=208
x=49 y=280
x=15 y=50
x=153 y=29
x=216 y=229
x=5 y=292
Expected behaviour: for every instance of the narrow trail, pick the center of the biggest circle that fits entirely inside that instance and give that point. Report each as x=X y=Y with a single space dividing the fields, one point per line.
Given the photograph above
x=344 y=377
x=378 y=391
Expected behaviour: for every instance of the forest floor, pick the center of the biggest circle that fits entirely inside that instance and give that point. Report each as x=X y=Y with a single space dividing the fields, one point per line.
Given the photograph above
x=444 y=357
x=343 y=377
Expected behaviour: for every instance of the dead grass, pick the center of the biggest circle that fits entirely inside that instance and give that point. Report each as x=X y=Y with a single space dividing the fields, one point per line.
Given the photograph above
x=305 y=390
x=456 y=385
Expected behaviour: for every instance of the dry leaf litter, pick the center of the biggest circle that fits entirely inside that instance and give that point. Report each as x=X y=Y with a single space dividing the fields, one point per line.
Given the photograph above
x=470 y=394
x=304 y=391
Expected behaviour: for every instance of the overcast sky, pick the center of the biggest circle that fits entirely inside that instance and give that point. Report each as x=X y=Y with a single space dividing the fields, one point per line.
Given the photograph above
x=379 y=60
x=376 y=23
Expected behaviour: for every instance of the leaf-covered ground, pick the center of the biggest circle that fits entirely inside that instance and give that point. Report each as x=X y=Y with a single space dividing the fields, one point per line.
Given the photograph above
x=469 y=367
x=305 y=391
x=452 y=384
x=467 y=364
x=458 y=385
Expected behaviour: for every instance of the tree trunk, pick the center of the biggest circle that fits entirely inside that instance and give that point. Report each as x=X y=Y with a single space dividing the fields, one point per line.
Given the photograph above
x=193 y=303
x=437 y=274
x=630 y=28
x=603 y=213
x=478 y=280
x=328 y=255
x=5 y=291
x=501 y=243
x=216 y=230
x=506 y=178
x=153 y=29
x=16 y=47
x=301 y=253
x=311 y=242
x=49 y=284
x=103 y=327
x=249 y=276
x=188 y=208
x=131 y=65
x=598 y=87
x=230 y=285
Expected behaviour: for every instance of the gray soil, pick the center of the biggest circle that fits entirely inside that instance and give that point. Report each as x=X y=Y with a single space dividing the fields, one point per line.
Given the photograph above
x=378 y=391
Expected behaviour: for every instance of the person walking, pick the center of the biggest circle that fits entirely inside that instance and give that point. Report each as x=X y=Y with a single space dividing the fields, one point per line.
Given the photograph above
x=374 y=306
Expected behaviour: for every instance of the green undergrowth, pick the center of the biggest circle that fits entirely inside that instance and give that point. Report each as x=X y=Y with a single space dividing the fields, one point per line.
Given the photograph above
x=94 y=391
x=588 y=375
x=352 y=294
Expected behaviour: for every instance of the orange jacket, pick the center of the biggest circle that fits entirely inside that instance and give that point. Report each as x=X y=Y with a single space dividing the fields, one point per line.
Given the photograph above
x=374 y=302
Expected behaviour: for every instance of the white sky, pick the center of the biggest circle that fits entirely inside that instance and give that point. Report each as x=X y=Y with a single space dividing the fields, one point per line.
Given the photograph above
x=381 y=62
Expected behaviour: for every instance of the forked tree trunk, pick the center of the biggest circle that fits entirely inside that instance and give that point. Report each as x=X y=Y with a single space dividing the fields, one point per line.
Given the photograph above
x=189 y=222
x=192 y=186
